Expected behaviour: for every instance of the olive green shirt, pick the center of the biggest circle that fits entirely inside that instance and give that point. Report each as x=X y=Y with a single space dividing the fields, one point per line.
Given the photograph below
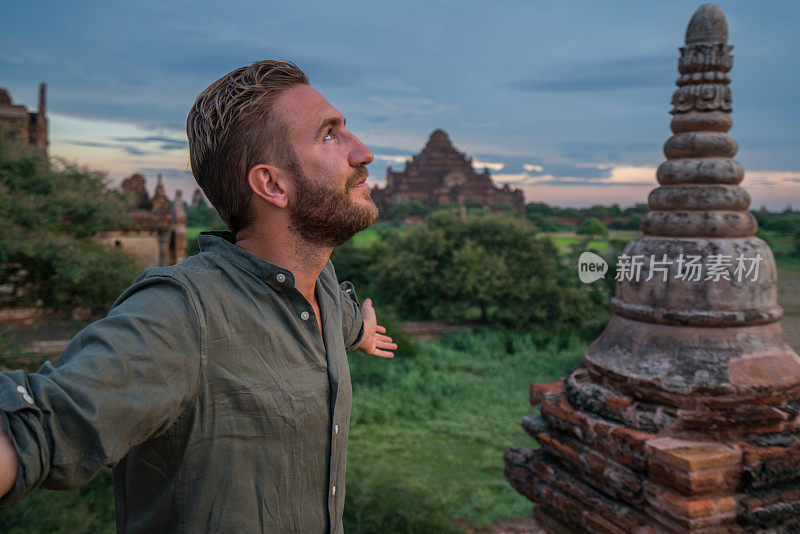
x=210 y=390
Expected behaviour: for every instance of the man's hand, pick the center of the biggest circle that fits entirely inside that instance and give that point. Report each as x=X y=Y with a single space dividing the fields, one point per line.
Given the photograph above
x=9 y=463
x=375 y=341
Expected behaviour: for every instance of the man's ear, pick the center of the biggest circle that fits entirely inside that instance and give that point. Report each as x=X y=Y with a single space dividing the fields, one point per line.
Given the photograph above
x=269 y=183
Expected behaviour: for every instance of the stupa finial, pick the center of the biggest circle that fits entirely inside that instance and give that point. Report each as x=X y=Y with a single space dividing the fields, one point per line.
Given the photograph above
x=708 y=25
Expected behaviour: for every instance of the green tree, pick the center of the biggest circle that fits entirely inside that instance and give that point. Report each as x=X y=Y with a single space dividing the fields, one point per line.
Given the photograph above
x=797 y=242
x=404 y=210
x=638 y=209
x=592 y=227
x=548 y=224
x=48 y=215
x=203 y=216
x=539 y=209
x=488 y=266
x=598 y=211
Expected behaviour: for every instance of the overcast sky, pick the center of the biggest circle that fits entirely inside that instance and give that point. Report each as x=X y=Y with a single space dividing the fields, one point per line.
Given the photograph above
x=566 y=99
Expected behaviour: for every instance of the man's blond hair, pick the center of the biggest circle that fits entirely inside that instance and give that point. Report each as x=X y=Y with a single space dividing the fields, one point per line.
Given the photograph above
x=231 y=127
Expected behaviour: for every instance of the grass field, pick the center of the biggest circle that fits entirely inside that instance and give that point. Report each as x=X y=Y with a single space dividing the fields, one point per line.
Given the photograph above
x=435 y=427
x=565 y=240
x=786 y=254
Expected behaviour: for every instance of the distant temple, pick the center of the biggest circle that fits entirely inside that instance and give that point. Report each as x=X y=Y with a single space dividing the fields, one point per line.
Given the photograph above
x=157 y=235
x=198 y=198
x=439 y=175
x=21 y=127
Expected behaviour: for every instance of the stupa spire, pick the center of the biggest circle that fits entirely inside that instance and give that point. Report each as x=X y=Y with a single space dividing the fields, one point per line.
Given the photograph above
x=685 y=416
x=672 y=329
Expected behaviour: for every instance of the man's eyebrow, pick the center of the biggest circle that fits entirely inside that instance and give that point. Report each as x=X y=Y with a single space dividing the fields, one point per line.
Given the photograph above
x=331 y=123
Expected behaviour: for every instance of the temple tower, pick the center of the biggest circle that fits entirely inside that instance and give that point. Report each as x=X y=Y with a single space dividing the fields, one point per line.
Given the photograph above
x=684 y=416
x=177 y=244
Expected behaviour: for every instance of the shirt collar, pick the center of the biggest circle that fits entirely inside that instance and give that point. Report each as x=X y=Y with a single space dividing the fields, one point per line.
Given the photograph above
x=224 y=244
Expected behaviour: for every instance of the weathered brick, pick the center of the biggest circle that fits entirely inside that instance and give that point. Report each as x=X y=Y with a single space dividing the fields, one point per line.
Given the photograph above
x=684 y=510
x=693 y=482
x=598 y=525
x=618 y=403
x=539 y=392
x=599 y=470
x=693 y=455
x=745 y=418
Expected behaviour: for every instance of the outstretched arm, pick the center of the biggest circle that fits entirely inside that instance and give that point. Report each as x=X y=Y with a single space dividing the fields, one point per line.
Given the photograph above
x=120 y=381
x=375 y=341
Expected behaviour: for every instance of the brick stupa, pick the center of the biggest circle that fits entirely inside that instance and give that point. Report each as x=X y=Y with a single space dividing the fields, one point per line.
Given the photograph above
x=684 y=416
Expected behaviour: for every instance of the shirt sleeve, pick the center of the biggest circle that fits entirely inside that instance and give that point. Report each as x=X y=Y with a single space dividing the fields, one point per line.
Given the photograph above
x=120 y=381
x=352 y=320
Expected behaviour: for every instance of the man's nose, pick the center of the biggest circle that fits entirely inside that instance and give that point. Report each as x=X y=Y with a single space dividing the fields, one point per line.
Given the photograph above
x=360 y=154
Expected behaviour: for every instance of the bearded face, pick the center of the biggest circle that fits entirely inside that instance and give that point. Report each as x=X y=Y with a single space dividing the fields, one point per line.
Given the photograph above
x=329 y=216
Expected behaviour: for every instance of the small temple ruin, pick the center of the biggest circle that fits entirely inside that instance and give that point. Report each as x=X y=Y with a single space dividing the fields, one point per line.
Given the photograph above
x=157 y=233
x=23 y=128
x=440 y=175
x=684 y=416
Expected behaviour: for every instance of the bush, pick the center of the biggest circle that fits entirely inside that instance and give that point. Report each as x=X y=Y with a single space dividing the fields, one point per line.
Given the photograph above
x=48 y=215
x=381 y=502
x=761 y=234
x=404 y=210
x=592 y=227
x=491 y=267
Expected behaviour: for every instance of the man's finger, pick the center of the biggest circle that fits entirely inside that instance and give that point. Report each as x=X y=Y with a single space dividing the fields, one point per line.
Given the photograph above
x=380 y=329
x=383 y=354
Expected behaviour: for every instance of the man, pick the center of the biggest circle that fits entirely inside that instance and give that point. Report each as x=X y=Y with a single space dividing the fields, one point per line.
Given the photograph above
x=219 y=388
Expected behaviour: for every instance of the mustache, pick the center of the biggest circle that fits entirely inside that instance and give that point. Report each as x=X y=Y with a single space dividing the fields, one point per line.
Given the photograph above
x=360 y=173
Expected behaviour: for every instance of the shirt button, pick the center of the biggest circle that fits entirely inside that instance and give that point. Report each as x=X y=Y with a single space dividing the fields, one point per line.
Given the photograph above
x=333 y=490
x=304 y=315
x=335 y=429
x=27 y=398
x=21 y=389
x=281 y=278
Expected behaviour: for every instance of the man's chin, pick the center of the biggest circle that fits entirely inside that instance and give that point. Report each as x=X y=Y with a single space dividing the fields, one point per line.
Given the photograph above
x=370 y=213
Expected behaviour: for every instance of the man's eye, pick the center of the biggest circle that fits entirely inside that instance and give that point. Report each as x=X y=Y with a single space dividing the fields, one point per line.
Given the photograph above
x=330 y=135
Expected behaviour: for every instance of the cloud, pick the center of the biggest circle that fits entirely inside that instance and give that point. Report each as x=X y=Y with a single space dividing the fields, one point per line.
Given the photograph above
x=533 y=168
x=653 y=70
x=770 y=178
x=164 y=143
x=130 y=149
x=168 y=173
x=493 y=166
x=522 y=166
x=135 y=145
x=583 y=175
x=398 y=160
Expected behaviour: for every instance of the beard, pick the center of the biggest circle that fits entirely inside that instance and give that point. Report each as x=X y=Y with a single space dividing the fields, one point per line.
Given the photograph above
x=327 y=216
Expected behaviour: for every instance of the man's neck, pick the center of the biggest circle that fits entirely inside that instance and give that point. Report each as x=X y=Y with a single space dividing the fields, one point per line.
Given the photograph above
x=291 y=252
